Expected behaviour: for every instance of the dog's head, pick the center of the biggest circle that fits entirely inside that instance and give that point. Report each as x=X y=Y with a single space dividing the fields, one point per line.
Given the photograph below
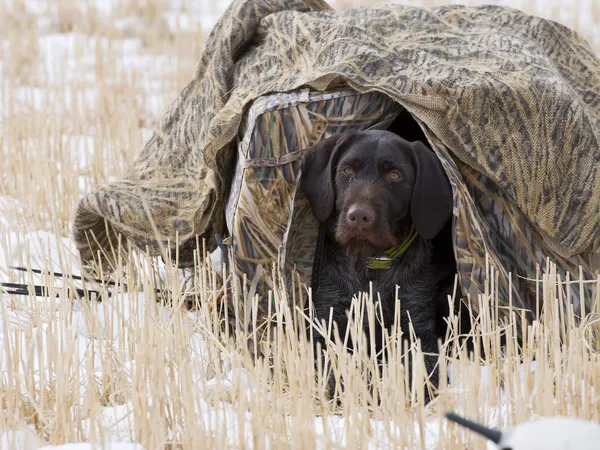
x=371 y=184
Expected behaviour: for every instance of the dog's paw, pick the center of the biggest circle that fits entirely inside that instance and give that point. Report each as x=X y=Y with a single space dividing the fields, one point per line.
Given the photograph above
x=431 y=364
x=334 y=390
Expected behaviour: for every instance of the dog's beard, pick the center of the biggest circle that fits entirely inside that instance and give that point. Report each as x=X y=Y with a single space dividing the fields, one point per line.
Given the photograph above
x=360 y=250
x=361 y=245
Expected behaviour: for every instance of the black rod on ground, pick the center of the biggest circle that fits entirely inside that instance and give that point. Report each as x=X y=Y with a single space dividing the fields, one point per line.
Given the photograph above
x=493 y=435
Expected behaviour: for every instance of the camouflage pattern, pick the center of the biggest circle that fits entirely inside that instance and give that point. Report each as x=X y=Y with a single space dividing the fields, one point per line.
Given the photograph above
x=491 y=232
x=512 y=101
x=272 y=223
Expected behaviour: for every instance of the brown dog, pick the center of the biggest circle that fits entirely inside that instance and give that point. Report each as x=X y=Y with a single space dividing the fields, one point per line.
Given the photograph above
x=386 y=204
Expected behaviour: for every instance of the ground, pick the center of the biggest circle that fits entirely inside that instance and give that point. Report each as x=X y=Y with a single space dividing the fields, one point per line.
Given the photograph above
x=83 y=83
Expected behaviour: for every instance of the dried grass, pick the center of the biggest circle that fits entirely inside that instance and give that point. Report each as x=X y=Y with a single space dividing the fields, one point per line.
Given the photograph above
x=169 y=378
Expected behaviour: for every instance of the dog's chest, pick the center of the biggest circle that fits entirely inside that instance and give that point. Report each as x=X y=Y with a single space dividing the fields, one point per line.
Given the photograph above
x=408 y=277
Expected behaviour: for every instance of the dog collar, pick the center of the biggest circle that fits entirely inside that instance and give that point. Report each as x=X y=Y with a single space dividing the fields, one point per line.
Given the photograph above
x=385 y=261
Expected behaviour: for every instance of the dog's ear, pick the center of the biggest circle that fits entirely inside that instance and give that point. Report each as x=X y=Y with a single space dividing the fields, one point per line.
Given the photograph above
x=431 y=202
x=318 y=165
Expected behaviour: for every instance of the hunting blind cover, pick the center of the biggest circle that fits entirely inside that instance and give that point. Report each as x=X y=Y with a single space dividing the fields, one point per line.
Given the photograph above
x=509 y=102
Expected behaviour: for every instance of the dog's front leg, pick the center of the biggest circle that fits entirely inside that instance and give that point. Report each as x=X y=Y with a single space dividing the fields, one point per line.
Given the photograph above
x=430 y=360
x=324 y=370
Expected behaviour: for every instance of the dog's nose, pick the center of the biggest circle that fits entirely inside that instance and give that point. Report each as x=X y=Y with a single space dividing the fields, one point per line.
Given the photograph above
x=360 y=216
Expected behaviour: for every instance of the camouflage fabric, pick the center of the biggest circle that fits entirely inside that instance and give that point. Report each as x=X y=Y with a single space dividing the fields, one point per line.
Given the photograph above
x=271 y=222
x=511 y=103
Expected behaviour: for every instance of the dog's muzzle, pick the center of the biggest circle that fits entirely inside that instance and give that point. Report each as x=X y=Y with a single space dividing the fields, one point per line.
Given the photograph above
x=358 y=225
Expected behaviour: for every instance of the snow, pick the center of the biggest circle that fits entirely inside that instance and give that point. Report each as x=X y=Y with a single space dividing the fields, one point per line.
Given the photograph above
x=41 y=248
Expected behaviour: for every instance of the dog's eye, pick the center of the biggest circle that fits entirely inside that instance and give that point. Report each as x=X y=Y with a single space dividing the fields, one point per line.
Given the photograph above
x=348 y=171
x=393 y=175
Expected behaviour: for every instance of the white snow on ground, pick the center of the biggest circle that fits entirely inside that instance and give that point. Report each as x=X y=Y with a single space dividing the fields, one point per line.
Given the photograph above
x=44 y=249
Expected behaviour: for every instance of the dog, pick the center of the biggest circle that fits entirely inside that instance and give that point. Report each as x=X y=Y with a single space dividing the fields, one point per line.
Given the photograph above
x=385 y=204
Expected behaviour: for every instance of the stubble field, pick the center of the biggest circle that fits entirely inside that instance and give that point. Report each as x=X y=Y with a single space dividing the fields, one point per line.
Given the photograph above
x=82 y=85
